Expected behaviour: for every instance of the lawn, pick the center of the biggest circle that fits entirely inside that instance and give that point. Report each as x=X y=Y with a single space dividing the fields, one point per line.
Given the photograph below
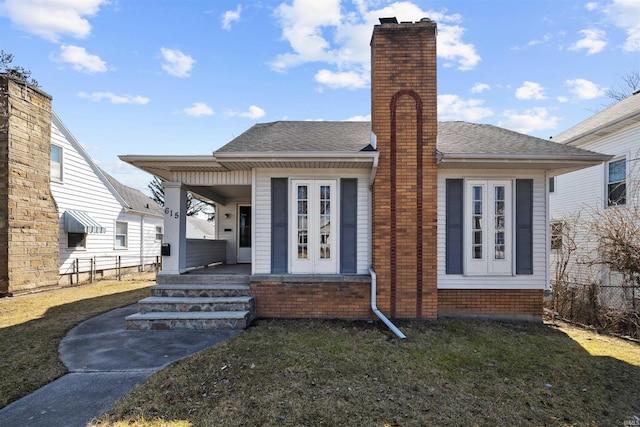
x=31 y=327
x=447 y=373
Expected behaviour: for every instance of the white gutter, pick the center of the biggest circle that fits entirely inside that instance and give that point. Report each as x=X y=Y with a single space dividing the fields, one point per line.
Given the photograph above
x=378 y=313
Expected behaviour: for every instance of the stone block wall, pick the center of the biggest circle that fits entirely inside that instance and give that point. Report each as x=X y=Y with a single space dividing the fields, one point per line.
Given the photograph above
x=28 y=214
x=404 y=119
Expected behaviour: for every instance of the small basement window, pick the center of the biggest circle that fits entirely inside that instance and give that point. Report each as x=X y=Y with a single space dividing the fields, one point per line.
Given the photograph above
x=76 y=240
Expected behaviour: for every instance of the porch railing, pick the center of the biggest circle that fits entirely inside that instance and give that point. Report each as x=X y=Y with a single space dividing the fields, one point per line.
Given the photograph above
x=203 y=252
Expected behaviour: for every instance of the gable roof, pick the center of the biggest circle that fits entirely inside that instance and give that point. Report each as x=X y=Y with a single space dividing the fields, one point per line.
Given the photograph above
x=346 y=144
x=136 y=200
x=619 y=115
x=301 y=137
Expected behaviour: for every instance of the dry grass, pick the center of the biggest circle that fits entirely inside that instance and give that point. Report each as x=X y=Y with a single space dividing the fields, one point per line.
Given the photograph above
x=31 y=327
x=447 y=373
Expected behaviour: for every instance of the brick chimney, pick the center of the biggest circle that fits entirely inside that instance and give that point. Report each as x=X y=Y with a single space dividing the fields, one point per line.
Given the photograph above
x=404 y=120
x=28 y=215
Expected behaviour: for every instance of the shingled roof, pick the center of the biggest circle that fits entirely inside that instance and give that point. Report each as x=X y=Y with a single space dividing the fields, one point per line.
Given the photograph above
x=473 y=139
x=135 y=199
x=619 y=115
x=454 y=138
x=302 y=136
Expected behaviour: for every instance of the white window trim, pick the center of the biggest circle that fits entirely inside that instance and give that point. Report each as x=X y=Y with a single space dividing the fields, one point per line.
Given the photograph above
x=115 y=236
x=606 y=181
x=160 y=232
x=487 y=267
x=51 y=177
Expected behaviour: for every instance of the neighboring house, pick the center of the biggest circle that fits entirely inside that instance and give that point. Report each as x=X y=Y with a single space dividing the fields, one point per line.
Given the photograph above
x=442 y=218
x=596 y=193
x=104 y=225
x=62 y=219
x=198 y=228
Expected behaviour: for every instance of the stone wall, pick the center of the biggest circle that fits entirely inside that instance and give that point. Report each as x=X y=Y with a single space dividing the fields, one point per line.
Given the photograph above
x=29 y=217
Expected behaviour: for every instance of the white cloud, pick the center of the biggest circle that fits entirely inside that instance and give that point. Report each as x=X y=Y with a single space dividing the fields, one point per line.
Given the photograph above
x=115 y=99
x=530 y=90
x=533 y=120
x=338 y=80
x=81 y=60
x=625 y=14
x=176 y=63
x=51 y=19
x=563 y=99
x=591 y=6
x=584 y=89
x=480 y=87
x=231 y=16
x=324 y=32
x=254 y=112
x=198 y=109
x=593 y=41
x=451 y=47
x=452 y=107
x=366 y=118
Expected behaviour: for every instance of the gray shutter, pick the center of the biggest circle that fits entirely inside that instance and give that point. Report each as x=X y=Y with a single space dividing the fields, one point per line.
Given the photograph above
x=348 y=225
x=279 y=225
x=524 y=226
x=454 y=228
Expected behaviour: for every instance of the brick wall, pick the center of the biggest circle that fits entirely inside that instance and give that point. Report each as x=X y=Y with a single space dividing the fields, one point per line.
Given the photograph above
x=522 y=304
x=29 y=217
x=298 y=297
x=404 y=119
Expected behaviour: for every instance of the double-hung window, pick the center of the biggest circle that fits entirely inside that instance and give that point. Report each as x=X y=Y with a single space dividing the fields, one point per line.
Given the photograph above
x=56 y=163
x=617 y=182
x=122 y=233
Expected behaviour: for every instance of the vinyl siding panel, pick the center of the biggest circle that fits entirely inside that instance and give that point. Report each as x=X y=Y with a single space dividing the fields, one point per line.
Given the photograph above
x=83 y=188
x=537 y=280
x=583 y=190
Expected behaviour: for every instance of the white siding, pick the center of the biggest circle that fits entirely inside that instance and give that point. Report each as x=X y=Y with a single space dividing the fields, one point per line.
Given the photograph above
x=538 y=279
x=262 y=211
x=83 y=188
x=584 y=190
x=579 y=195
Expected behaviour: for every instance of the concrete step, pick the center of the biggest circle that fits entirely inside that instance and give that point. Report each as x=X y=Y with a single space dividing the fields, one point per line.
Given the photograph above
x=228 y=289
x=191 y=304
x=202 y=278
x=189 y=320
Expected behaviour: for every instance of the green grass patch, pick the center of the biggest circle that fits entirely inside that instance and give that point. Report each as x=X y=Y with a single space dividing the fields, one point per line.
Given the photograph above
x=31 y=327
x=333 y=373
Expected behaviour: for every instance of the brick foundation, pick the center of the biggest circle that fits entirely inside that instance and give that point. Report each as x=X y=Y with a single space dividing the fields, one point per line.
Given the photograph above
x=337 y=297
x=515 y=304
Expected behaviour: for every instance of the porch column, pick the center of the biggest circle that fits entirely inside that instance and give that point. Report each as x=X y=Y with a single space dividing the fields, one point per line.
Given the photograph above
x=175 y=229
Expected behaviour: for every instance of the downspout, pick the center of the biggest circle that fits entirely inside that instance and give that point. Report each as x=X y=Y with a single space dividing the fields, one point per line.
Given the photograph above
x=372 y=273
x=378 y=313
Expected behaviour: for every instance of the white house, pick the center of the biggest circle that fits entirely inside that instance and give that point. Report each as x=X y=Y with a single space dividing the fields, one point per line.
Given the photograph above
x=592 y=194
x=104 y=225
x=430 y=218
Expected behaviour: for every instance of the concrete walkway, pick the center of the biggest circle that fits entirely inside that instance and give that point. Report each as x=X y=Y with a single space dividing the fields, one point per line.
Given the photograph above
x=105 y=362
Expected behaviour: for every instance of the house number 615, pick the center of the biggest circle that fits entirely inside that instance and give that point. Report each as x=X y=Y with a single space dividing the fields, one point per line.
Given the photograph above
x=171 y=213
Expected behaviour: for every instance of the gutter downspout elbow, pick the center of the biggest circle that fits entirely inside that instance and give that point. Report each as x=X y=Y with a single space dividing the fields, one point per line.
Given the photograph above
x=378 y=313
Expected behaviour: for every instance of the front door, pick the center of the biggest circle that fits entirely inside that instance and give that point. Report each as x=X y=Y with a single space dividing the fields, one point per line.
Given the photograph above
x=313 y=227
x=244 y=234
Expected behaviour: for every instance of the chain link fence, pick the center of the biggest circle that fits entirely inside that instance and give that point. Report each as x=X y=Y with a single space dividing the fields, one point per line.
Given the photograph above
x=615 y=308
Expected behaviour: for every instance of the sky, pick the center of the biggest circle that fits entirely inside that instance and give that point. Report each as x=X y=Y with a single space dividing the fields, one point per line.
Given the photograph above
x=169 y=77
